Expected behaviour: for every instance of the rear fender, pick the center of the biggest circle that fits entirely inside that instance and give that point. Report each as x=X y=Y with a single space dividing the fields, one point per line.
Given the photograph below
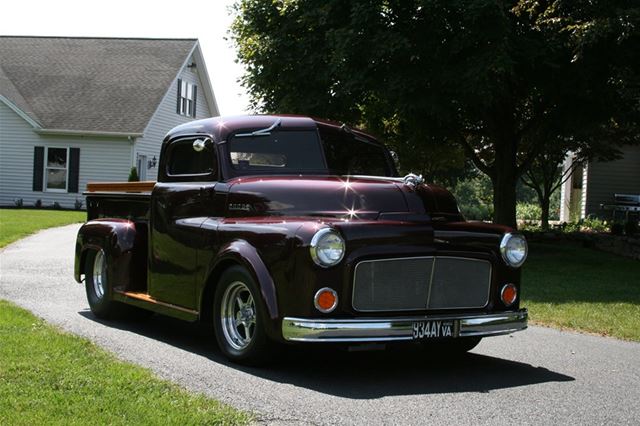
x=118 y=238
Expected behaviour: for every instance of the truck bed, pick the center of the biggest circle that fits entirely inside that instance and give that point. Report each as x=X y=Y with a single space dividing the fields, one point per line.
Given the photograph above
x=121 y=200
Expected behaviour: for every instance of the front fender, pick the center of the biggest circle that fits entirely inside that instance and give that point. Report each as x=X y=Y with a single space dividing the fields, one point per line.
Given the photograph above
x=242 y=252
x=117 y=237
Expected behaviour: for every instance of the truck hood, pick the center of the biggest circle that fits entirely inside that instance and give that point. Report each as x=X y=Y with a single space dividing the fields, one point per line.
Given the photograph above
x=337 y=197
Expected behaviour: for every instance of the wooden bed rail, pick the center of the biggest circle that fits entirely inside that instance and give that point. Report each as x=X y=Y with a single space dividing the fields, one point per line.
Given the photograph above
x=146 y=186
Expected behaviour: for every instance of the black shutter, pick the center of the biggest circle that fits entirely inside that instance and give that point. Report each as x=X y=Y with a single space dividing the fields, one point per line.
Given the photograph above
x=195 y=98
x=179 y=97
x=38 y=167
x=74 y=169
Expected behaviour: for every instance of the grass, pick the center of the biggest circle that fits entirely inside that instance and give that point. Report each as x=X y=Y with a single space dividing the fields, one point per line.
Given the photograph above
x=50 y=377
x=18 y=223
x=568 y=286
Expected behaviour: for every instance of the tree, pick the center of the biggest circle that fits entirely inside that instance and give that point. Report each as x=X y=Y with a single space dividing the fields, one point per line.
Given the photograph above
x=493 y=79
x=546 y=175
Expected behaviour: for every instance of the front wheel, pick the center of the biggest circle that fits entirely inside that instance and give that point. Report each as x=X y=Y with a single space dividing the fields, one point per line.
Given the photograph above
x=239 y=318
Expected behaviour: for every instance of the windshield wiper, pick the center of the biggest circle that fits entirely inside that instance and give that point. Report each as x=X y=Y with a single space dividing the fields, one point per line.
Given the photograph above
x=356 y=136
x=261 y=132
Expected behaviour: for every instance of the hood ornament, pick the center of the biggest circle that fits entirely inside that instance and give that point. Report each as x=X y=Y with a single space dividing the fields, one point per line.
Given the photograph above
x=412 y=180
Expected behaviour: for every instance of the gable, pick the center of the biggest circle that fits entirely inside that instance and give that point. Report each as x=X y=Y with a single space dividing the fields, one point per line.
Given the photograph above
x=90 y=84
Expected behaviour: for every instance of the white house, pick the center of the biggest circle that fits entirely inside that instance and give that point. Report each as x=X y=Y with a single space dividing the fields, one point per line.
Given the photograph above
x=78 y=110
x=594 y=184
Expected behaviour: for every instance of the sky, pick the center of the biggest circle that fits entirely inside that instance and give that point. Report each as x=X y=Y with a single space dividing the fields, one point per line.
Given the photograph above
x=206 y=20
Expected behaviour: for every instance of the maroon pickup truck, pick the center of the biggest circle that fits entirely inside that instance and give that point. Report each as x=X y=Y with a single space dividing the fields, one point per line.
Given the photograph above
x=286 y=229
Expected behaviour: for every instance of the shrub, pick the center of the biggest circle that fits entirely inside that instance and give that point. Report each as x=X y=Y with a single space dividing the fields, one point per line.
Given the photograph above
x=590 y=224
x=19 y=202
x=595 y=224
x=475 y=198
x=528 y=211
x=476 y=212
x=56 y=206
x=133 y=175
x=38 y=204
x=529 y=227
x=572 y=227
x=78 y=204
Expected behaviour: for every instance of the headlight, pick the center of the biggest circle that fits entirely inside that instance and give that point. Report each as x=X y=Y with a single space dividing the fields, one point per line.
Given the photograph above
x=514 y=249
x=327 y=248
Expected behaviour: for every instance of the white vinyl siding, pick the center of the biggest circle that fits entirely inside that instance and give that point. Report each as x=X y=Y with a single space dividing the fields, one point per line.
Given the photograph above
x=609 y=178
x=101 y=159
x=166 y=118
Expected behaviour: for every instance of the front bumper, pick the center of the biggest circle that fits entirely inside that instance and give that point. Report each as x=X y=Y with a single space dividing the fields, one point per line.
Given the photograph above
x=397 y=329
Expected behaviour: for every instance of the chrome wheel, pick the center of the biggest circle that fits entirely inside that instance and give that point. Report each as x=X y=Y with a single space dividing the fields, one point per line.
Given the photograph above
x=238 y=315
x=99 y=274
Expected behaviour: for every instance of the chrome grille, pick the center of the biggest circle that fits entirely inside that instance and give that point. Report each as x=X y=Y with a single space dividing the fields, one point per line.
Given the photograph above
x=377 y=287
x=419 y=283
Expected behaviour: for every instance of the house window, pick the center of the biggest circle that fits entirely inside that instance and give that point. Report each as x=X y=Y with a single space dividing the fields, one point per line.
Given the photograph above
x=56 y=169
x=187 y=98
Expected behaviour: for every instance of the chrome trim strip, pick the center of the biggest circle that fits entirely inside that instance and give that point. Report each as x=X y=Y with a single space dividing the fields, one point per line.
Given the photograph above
x=396 y=329
x=433 y=268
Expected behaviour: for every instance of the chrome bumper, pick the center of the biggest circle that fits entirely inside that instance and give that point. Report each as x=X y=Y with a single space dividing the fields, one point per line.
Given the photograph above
x=396 y=329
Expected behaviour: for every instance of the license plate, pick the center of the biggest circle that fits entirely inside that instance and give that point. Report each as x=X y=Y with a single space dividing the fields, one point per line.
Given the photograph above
x=434 y=329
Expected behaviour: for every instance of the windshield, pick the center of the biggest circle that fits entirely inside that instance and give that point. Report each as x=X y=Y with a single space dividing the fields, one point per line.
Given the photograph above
x=282 y=151
x=347 y=155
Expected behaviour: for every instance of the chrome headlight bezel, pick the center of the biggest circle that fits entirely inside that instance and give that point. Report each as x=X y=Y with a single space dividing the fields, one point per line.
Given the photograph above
x=506 y=249
x=318 y=242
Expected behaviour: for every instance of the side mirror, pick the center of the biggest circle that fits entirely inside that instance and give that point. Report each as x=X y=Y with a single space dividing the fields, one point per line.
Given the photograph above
x=200 y=144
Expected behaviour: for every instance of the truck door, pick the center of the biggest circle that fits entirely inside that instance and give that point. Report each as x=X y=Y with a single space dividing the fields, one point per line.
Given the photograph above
x=178 y=209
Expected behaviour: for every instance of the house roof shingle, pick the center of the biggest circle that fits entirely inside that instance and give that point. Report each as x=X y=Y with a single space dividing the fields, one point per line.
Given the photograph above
x=89 y=84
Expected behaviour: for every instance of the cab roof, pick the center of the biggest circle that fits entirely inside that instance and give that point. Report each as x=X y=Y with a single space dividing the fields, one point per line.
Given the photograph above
x=220 y=128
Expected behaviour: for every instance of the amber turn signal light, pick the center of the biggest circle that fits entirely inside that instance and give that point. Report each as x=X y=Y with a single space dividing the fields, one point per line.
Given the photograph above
x=509 y=294
x=325 y=300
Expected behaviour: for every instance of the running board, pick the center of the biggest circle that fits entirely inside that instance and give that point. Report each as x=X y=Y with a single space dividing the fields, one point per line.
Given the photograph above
x=145 y=301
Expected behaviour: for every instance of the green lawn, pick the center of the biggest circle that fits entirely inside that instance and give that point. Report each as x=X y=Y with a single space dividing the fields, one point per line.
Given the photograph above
x=50 y=377
x=18 y=223
x=567 y=285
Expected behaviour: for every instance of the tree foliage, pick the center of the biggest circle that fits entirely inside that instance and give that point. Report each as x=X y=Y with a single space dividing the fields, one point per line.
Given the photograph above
x=500 y=81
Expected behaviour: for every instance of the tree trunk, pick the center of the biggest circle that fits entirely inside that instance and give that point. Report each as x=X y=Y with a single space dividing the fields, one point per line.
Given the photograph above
x=544 y=217
x=504 y=179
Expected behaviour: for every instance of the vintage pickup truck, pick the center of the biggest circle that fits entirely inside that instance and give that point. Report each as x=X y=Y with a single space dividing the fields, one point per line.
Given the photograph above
x=287 y=229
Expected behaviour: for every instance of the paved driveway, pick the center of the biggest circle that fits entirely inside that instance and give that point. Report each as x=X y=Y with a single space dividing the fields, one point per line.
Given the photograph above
x=539 y=376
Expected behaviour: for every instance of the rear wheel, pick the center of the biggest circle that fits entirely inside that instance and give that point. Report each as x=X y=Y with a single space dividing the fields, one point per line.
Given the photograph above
x=239 y=318
x=97 y=285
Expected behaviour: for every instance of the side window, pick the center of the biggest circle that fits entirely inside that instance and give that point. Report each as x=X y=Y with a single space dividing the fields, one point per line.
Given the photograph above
x=183 y=160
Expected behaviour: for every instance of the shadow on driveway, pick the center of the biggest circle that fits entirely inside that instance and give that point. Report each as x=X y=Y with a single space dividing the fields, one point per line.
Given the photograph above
x=402 y=370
